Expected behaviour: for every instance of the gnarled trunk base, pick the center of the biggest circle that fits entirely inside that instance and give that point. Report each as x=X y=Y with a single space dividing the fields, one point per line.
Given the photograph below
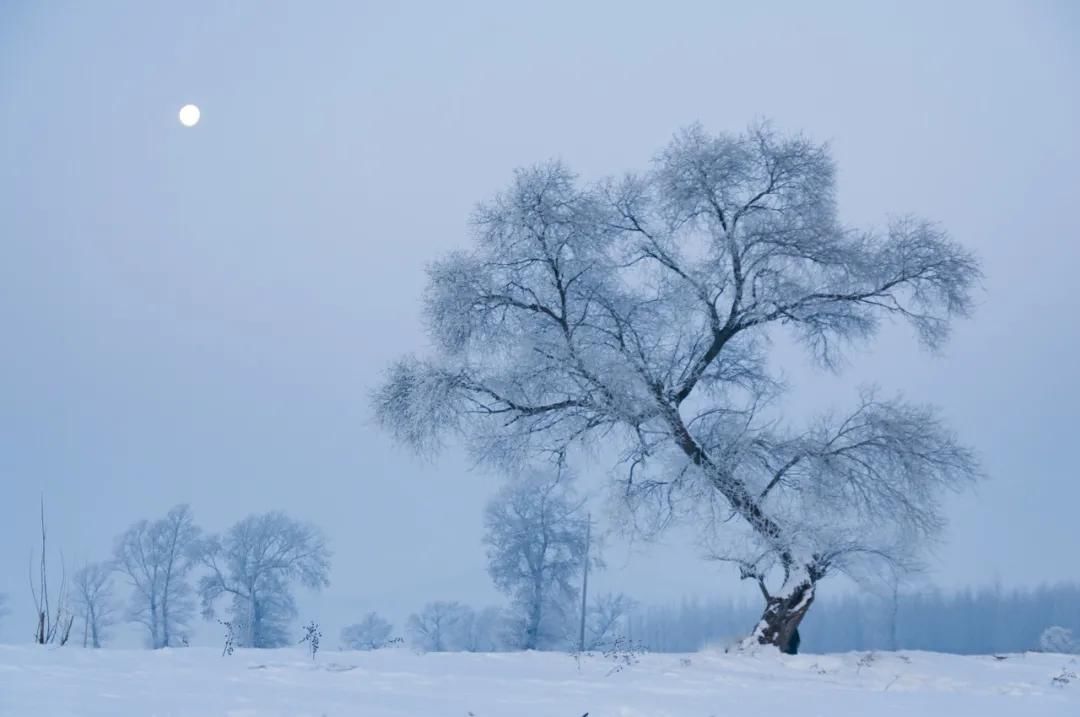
x=779 y=624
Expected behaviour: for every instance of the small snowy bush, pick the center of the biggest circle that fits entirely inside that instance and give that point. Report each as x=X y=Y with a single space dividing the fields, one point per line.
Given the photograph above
x=624 y=653
x=371 y=633
x=1057 y=639
x=232 y=629
x=1063 y=678
x=312 y=635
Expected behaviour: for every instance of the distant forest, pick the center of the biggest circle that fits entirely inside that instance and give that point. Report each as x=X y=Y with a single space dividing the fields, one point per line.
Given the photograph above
x=968 y=622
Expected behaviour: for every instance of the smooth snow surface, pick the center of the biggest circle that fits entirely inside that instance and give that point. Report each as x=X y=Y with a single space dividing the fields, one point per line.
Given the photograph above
x=200 y=682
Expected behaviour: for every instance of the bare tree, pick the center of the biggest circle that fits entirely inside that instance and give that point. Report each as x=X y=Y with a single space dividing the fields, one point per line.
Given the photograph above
x=53 y=618
x=157 y=558
x=93 y=602
x=254 y=564
x=536 y=532
x=641 y=310
x=607 y=620
x=888 y=584
x=484 y=630
x=371 y=633
x=438 y=627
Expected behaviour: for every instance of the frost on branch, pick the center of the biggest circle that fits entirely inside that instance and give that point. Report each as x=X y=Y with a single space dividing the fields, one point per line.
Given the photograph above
x=417 y=403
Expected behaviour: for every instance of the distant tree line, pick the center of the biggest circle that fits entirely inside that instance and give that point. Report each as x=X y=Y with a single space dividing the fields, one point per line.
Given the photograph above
x=967 y=622
x=982 y=621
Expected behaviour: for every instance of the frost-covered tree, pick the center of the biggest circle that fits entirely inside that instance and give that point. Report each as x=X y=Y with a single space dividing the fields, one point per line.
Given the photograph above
x=438 y=627
x=157 y=558
x=254 y=564
x=535 y=530
x=484 y=630
x=93 y=602
x=371 y=633
x=312 y=638
x=607 y=619
x=1057 y=639
x=641 y=311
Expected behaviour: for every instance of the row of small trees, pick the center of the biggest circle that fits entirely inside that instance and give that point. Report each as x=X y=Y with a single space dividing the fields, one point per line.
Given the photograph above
x=537 y=533
x=450 y=626
x=171 y=566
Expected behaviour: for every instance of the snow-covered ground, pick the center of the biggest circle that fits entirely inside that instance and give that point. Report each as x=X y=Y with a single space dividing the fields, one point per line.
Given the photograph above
x=253 y=683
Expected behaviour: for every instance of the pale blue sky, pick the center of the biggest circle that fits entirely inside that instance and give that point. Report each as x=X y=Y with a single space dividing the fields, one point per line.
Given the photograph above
x=198 y=315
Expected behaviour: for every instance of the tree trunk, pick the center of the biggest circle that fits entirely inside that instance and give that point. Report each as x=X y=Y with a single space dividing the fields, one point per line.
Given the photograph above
x=585 y=585
x=94 y=636
x=532 y=629
x=893 y=614
x=65 y=634
x=252 y=619
x=779 y=624
x=155 y=627
x=165 y=637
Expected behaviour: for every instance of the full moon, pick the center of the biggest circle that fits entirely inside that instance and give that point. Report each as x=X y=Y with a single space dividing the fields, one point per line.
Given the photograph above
x=189 y=115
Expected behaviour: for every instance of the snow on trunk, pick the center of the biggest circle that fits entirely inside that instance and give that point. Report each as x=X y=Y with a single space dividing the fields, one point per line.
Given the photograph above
x=779 y=623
